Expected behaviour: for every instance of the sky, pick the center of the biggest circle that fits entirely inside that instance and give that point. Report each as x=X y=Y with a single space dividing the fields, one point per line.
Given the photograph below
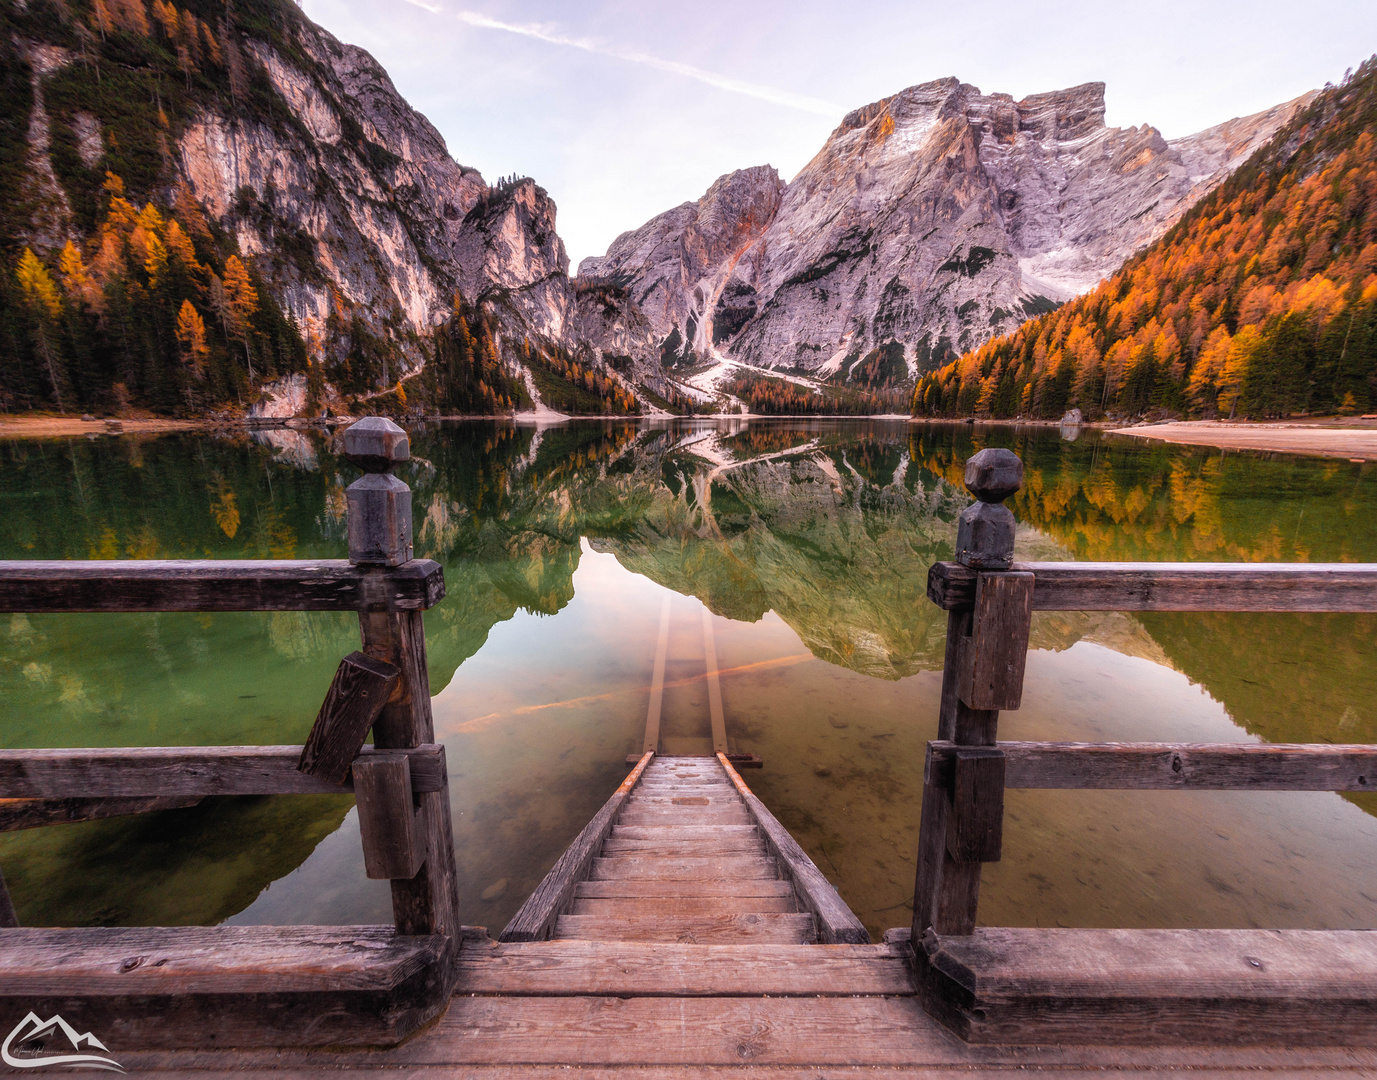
x=621 y=109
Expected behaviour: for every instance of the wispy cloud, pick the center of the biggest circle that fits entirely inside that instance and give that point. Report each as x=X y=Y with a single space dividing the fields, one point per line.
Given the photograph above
x=548 y=34
x=434 y=9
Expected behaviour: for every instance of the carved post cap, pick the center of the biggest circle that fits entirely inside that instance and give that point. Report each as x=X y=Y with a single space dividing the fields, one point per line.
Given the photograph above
x=375 y=444
x=379 y=504
x=985 y=529
x=994 y=474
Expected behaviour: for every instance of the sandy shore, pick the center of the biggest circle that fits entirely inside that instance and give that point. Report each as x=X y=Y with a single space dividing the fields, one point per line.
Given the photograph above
x=1350 y=439
x=38 y=427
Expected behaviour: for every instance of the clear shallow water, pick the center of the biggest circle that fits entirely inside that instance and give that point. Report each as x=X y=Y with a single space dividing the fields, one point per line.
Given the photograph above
x=809 y=544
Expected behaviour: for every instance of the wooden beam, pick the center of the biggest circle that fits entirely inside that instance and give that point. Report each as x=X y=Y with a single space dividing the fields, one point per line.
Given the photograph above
x=1165 y=766
x=184 y=772
x=975 y=826
x=837 y=923
x=357 y=694
x=993 y=661
x=428 y=902
x=1045 y=986
x=393 y=841
x=1065 y=586
x=218 y=585
x=17 y=814
x=536 y=919
x=228 y=986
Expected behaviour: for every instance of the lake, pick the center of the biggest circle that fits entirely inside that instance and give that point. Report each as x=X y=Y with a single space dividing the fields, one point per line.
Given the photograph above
x=799 y=550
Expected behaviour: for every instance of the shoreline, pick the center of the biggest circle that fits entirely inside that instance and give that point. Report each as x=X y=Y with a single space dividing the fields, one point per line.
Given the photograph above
x=1355 y=441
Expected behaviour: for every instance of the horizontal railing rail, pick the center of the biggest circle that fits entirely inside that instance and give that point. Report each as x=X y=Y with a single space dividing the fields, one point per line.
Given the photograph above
x=200 y=771
x=218 y=585
x=1073 y=586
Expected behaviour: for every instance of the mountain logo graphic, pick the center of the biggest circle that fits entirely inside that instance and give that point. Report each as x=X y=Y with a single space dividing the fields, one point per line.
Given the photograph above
x=26 y=1047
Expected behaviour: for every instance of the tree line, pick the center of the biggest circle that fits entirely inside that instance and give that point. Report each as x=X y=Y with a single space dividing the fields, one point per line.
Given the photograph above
x=1260 y=302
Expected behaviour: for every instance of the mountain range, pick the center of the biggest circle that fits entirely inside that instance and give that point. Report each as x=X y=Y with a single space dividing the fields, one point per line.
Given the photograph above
x=228 y=206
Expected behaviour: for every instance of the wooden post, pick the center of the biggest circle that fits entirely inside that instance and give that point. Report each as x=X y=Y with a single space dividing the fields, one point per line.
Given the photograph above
x=982 y=673
x=380 y=536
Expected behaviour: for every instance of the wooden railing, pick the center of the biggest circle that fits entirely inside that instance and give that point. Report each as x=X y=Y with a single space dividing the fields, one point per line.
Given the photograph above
x=361 y=985
x=1040 y=985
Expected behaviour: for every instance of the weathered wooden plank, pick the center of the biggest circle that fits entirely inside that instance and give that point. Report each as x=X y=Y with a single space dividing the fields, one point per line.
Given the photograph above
x=218 y=585
x=1203 y=766
x=993 y=660
x=535 y=920
x=736 y=887
x=836 y=923
x=572 y=966
x=183 y=772
x=702 y=847
x=1064 y=586
x=975 y=827
x=1288 y=987
x=682 y=905
x=426 y=903
x=776 y=928
x=357 y=694
x=719 y=817
x=685 y=832
x=227 y=985
x=17 y=814
x=394 y=842
x=683 y=869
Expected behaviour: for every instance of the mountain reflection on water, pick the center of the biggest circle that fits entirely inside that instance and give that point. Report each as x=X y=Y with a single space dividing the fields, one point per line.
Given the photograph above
x=810 y=541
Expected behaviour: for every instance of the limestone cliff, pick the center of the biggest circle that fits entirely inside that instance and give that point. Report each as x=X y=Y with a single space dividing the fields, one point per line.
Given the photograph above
x=935 y=218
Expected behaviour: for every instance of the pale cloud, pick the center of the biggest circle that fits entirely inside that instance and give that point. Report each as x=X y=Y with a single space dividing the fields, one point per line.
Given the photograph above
x=548 y=34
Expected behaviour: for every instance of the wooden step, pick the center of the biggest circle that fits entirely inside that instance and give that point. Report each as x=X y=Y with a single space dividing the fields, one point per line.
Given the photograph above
x=1293 y=987
x=686 y=832
x=772 y=928
x=701 y=820
x=208 y=986
x=744 y=888
x=701 y=848
x=572 y=966
x=684 y=905
x=684 y=869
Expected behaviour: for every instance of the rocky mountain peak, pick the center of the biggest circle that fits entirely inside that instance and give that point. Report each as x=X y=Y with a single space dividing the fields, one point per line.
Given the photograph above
x=928 y=222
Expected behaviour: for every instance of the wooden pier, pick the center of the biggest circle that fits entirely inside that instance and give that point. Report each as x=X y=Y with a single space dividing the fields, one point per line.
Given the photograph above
x=684 y=932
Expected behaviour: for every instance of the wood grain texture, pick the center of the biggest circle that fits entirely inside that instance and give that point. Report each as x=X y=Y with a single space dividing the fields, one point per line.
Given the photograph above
x=428 y=902
x=779 y=928
x=16 y=814
x=1162 y=766
x=535 y=920
x=1287 y=987
x=149 y=772
x=744 y=887
x=228 y=986
x=1064 y=586
x=975 y=825
x=837 y=923
x=390 y=829
x=218 y=585
x=356 y=697
x=659 y=969
x=683 y=868
x=994 y=657
x=681 y=905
